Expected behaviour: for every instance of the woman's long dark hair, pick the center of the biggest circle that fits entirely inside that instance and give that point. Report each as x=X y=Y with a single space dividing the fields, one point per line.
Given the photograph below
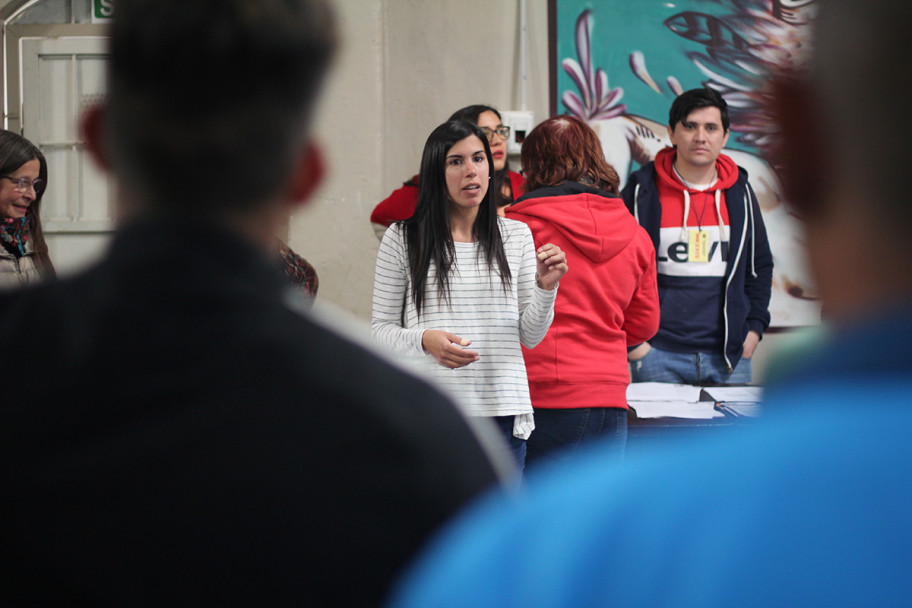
x=470 y=114
x=428 y=232
x=15 y=151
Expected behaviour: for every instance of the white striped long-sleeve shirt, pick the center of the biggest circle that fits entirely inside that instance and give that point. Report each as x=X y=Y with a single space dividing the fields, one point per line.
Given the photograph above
x=496 y=320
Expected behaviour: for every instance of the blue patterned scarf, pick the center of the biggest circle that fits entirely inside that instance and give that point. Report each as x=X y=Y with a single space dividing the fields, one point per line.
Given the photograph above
x=14 y=235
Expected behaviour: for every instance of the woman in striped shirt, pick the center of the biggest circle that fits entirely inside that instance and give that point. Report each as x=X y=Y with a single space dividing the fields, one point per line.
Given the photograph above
x=460 y=288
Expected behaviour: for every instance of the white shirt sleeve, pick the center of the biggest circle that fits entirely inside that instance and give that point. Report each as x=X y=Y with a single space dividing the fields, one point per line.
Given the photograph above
x=391 y=288
x=536 y=305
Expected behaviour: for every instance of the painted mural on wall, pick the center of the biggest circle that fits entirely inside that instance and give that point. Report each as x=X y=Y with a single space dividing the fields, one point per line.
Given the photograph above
x=621 y=64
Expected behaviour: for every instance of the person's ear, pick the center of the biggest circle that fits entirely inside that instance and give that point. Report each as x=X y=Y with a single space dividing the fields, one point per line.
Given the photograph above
x=308 y=174
x=799 y=153
x=91 y=129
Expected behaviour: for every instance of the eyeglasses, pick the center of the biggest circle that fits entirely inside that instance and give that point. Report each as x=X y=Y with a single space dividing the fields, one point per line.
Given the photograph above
x=501 y=130
x=23 y=184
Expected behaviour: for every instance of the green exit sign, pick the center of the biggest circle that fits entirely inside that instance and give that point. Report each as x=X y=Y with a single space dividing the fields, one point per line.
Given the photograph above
x=102 y=10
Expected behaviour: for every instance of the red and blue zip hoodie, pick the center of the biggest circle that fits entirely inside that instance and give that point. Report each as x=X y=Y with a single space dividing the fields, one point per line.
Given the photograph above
x=710 y=298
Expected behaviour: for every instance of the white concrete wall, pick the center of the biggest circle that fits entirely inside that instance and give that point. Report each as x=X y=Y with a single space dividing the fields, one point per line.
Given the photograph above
x=404 y=67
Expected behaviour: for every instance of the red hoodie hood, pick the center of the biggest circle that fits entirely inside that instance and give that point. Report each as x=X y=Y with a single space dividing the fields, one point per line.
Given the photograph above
x=725 y=167
x=598 y=225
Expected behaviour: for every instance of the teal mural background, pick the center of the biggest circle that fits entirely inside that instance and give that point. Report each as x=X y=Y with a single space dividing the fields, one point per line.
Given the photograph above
x=623 y=26
x=738 y=41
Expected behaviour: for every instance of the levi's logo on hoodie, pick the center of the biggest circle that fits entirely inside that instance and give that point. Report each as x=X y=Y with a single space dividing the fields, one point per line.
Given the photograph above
x=673 y=255
x=685 y=210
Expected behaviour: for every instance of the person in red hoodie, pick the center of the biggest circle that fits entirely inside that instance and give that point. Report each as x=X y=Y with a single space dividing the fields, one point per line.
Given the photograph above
x=578 y=375
x=401 y=203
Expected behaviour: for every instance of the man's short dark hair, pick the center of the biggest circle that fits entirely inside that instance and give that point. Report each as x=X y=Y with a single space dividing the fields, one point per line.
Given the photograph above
x=209 y=101
x=695 y=99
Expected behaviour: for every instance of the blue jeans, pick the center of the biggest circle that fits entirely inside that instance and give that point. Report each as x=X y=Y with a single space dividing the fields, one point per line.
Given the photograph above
x=688 y=368
x=559 y=433
x=515 y=446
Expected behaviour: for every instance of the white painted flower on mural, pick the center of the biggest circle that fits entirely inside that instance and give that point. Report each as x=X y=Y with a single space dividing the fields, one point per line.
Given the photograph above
x=596 y=100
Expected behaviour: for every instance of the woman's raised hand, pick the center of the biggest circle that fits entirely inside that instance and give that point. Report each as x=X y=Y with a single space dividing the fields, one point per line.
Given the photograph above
x=448 y=349
x=551 y=265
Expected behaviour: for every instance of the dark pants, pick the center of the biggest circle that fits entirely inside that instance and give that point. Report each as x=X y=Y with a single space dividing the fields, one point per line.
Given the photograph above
x=516 y=445
x=559 y=433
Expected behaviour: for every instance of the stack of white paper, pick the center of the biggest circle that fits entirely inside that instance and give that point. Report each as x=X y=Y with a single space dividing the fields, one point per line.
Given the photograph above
x=665 y=400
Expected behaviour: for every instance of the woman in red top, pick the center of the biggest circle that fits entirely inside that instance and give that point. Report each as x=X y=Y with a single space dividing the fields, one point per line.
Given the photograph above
x=609 y=301
x=401 y=203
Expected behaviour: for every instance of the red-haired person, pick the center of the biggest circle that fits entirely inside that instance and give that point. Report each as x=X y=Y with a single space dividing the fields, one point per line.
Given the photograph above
x=401 y=203
x=609 y=301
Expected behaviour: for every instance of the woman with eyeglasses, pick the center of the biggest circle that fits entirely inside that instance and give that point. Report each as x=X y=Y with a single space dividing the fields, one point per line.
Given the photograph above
x=460 y=288
x=23 y=177
x=578 y=375
x=401 y=203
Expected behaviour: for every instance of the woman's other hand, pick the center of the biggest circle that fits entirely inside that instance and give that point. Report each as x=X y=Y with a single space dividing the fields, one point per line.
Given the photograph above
x=552 y=265
x=448 y=349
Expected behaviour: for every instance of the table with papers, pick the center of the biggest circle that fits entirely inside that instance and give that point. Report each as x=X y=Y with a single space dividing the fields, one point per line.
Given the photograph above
x=658 y=409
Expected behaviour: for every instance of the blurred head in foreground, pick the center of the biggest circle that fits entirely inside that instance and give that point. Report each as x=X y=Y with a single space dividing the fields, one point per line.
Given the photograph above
x=209 y=103
x=842 y=149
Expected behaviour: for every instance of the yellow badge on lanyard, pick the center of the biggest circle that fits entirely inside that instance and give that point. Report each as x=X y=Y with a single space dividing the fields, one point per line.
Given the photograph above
x=698 y=246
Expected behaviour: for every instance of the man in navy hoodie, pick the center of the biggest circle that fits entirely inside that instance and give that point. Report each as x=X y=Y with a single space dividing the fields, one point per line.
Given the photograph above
x=714 y=264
